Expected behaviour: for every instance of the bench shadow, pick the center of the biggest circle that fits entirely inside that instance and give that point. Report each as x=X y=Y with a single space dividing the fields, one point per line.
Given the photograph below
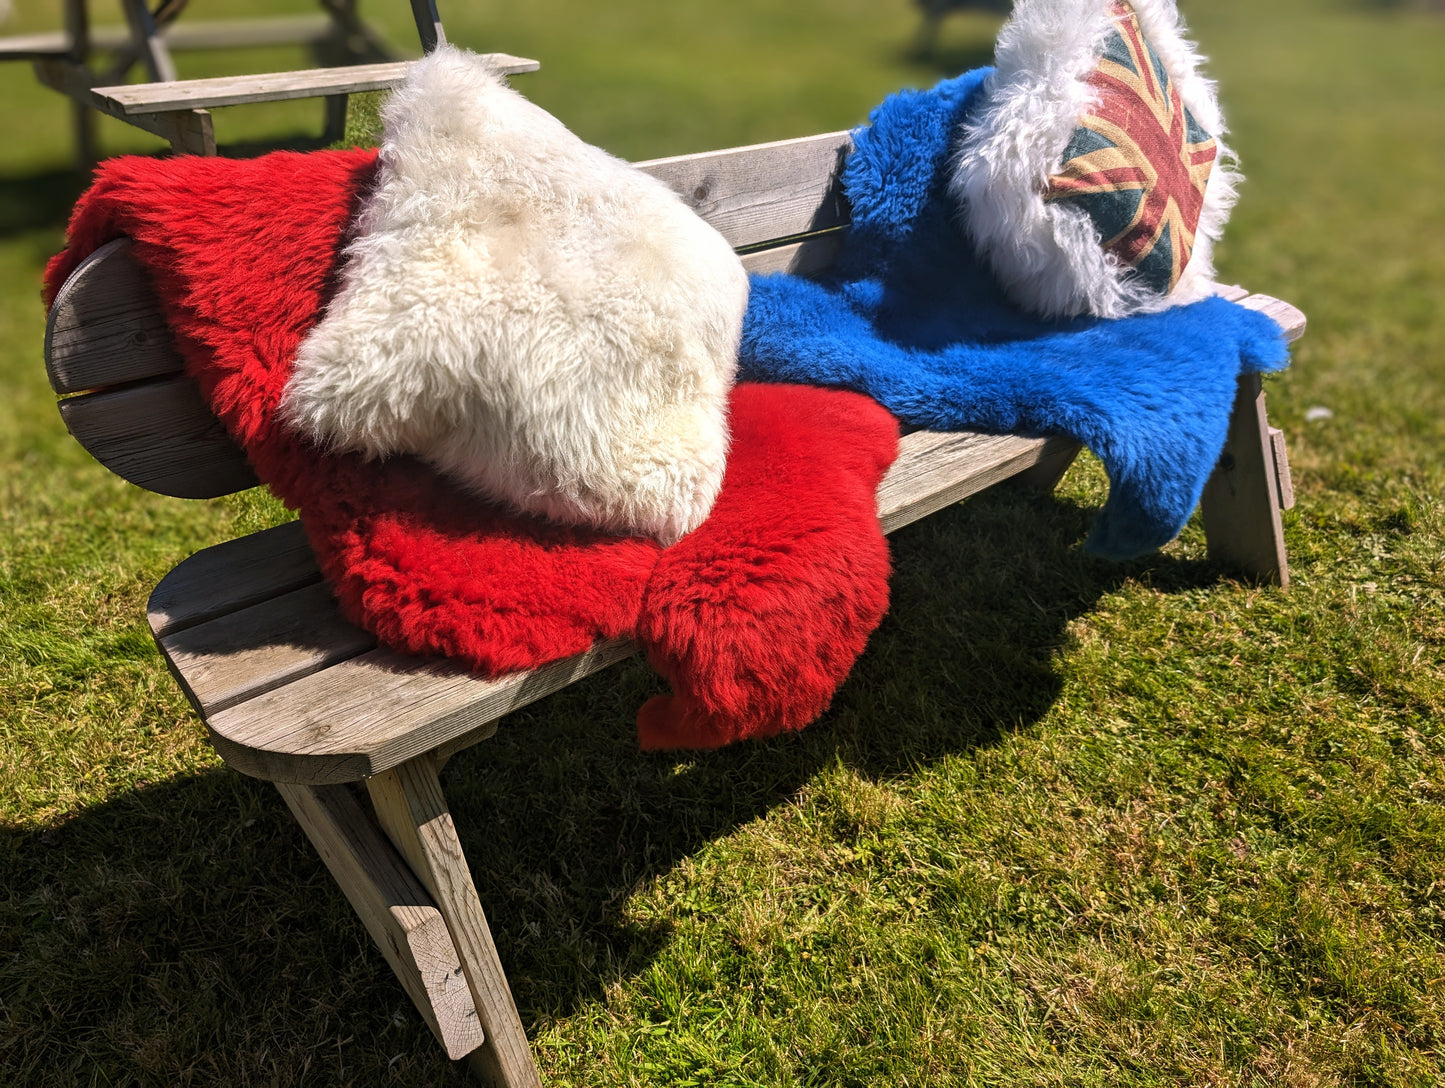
x=192 y=928
x=562 y=824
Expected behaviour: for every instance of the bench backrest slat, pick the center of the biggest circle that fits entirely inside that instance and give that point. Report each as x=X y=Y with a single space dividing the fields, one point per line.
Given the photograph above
x=161 y=436
x=105 y=327
x=752 y=195
x=109 y=351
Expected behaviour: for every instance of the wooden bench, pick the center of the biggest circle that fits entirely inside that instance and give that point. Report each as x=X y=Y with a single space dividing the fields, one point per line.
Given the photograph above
x=294 y=694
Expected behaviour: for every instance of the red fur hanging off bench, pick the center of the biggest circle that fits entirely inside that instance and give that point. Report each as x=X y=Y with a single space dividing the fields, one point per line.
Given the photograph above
x=755 y=617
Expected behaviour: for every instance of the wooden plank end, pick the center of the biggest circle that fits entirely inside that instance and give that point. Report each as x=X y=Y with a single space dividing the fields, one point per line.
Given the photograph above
x=1289 y=318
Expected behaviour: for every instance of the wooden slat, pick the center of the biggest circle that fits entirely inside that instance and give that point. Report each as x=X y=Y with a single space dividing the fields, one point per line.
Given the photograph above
x=160 y=436
x=231 y=576
x=185 y=94
x=412 y=810
x=378 y=710
x=803 y=258
x=1290 y=319
x=258 y=649
x=396 y=910
x=106 y=327
x=936 y=469
x=765 y=191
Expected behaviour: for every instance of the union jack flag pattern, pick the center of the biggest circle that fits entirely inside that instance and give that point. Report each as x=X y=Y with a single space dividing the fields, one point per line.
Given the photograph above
x=1139 y=163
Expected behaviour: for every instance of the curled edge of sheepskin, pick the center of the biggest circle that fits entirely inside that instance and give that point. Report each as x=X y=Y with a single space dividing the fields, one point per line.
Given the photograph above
x=540 y=321
x=1049 y=256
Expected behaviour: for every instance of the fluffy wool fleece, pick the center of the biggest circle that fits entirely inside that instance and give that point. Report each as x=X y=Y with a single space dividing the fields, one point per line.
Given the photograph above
x=544 y=323
x=1048 y=255
x=912 y=317
x=755 y=617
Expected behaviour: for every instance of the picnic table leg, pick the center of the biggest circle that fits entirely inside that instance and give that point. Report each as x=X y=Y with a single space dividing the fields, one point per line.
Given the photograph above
x=412 y=810
x=1244 y=496
x=77 y=25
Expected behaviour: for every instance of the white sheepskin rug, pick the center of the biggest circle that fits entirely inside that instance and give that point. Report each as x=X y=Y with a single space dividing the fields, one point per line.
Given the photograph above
x=540 y=321
x=1063 y=178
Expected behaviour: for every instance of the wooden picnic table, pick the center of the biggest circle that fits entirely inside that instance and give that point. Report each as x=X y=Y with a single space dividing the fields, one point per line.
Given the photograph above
x=89 y=65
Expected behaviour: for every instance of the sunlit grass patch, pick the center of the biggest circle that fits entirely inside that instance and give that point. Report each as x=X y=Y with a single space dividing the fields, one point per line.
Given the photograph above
x=1066 y=824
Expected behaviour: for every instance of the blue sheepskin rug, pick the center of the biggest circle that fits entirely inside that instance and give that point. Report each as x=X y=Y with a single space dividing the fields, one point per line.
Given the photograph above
x=909 y=315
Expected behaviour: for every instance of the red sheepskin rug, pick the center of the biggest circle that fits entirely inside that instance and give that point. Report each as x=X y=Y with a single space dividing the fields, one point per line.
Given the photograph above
x=788 y=603
x=755 y=617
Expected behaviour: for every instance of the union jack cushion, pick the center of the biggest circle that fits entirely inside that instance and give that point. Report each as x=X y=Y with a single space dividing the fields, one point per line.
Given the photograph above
x=1139 y=162
x=1093 y=177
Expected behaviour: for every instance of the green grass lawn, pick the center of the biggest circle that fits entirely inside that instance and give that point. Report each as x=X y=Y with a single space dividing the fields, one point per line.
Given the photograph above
x=1066 y=824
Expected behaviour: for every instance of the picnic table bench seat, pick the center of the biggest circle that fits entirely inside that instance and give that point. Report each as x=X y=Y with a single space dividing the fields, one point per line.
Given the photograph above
x=292 y=693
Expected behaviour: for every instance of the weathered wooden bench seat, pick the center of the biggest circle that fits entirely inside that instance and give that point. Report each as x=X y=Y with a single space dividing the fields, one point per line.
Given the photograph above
x=294 y=694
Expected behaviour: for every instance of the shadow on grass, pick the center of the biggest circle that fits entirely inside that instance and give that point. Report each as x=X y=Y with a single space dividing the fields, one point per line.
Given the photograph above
x=188 y=930
x=36 y=201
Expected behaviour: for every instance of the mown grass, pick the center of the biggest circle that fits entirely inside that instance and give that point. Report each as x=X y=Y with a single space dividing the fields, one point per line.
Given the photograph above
x=1066 y=824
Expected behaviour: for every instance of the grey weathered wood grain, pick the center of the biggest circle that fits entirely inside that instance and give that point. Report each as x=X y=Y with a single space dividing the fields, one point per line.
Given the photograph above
x=108 y=328
x=935 y=469
x=231 y=576
x=1290 y=319
x=165 y=97
x=396 y=910
x=412 y=809
x=105 y=326
x=1281 y=469
x=1240 y=503
x=377 y=710
x=802 y=258
x=260 y=648
x=159 y=436
x=765 y=191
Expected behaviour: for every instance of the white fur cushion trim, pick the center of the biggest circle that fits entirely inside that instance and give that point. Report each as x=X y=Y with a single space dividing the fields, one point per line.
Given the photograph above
x=1048 y=256
x=542 y=322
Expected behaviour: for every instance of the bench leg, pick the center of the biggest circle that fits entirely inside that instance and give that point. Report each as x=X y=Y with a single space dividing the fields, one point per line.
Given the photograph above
x=1050 y=469
x=395 y=909
x=1242 y=501
x=413 y=812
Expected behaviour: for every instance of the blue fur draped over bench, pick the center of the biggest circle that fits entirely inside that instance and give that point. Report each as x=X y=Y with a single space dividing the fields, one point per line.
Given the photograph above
x=909 y=315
